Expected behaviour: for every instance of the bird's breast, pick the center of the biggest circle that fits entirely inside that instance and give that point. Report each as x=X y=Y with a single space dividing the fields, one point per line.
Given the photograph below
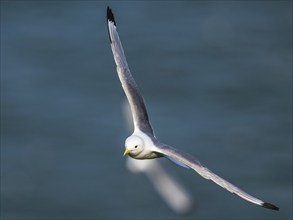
x=147 y=155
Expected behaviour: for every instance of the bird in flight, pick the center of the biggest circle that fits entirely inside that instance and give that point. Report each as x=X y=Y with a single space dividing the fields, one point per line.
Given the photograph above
x=142 y=143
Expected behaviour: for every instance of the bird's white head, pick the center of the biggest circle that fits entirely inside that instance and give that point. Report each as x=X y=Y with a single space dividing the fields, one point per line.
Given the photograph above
x=134 y=145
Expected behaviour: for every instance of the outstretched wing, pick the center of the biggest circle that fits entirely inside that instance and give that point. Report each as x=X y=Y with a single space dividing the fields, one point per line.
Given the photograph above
x=194 y=164
x=138 y=109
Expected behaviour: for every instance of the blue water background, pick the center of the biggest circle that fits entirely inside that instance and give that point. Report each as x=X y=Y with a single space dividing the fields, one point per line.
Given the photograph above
x=217 y=80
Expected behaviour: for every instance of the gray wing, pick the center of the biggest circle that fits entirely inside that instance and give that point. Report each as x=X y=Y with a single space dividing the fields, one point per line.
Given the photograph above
x=194 y=164
x=138 y=109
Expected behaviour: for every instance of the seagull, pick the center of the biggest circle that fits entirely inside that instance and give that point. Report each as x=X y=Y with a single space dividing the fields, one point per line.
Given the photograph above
x=142 y=143
x=171 y=191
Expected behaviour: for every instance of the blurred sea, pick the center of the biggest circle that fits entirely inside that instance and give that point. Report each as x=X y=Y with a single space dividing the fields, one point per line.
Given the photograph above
x=217 y=80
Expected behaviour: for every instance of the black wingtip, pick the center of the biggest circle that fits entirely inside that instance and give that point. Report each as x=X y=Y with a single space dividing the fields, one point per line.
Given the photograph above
x=270 y=206
x=110 y=16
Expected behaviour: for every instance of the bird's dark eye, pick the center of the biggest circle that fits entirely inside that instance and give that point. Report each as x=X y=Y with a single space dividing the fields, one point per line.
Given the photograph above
x=135 y=146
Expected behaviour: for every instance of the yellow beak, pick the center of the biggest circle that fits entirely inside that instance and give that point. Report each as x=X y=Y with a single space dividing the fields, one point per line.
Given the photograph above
x=126 y=152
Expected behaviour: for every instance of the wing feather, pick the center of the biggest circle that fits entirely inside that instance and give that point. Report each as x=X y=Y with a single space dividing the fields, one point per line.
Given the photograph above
x=194 y=164
x=136 y=102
